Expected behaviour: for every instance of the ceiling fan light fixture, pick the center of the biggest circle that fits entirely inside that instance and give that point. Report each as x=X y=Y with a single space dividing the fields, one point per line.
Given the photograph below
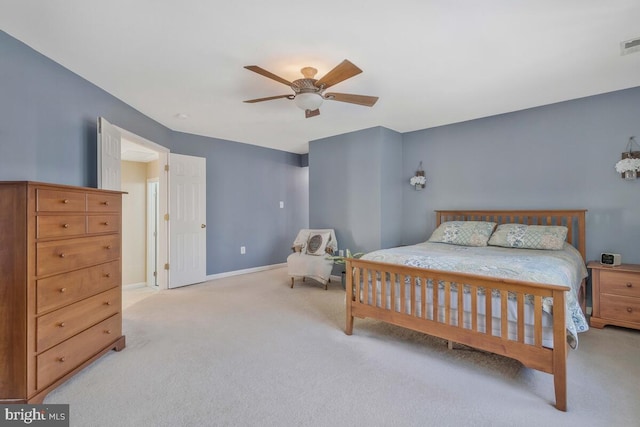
x=308 y=100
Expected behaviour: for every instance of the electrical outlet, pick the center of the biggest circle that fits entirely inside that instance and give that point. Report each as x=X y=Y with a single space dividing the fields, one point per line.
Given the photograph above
x=281 y=205
x=243 y=250
x=341 y=252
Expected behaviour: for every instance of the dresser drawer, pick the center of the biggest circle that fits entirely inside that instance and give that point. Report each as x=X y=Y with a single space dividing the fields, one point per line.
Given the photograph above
x=61 y=256
x=60 y=226
x=103 y=223
x=60 y=201
x=63 y=289
x=620 y=308
x=63 y=358
x=620 y=283
x=59 y=325
x=104 y=202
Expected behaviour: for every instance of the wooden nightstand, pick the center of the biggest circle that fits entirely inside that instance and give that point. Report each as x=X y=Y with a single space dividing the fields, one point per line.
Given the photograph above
x=616 y=295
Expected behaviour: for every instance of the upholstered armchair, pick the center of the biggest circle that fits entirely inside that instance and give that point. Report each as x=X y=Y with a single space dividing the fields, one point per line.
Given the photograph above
x=309 y=258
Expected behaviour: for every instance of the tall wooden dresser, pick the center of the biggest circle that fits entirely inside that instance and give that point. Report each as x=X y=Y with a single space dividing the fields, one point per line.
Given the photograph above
x=60 y=284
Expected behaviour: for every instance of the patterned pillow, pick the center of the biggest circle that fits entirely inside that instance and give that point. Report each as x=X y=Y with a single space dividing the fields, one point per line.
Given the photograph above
x=529 y=236
x=317 y=243
x=464 y=233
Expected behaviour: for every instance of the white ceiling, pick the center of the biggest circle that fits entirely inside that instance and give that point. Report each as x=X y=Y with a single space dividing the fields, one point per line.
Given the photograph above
x=430 y=62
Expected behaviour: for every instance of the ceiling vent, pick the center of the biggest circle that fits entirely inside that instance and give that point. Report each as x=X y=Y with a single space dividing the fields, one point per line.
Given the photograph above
x=630 y=46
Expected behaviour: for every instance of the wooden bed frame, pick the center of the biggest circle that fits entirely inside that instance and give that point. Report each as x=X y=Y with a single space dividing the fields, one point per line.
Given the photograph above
x=552 y=361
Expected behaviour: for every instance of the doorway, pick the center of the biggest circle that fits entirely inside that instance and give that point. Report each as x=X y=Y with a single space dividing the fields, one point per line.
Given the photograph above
x=145 y=233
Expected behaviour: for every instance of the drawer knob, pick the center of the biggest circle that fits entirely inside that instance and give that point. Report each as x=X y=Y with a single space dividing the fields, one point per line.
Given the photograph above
x=61 y=359
x=629 y=285
x=107 y=275
x=106 y=203
x=108 y=331
x=629 y=309
x=108 y=247
x=65 y=225
x=106 y=223
x=61 y=324
x=62 y=255
x=107 y=303
x=65 y=201
x=62 y=290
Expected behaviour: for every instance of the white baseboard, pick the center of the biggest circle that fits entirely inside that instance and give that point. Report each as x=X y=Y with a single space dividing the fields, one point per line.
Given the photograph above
x=134 y=285
x=245 y=271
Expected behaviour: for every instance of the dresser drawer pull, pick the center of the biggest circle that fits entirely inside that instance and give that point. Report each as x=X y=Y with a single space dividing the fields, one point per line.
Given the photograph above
x=107 y=331
x=62 y=255
x=106 y=203
x=65 y=225
x=105 y=223
x=107 y=275
x=65 y=201
x=61 y=359
x=63 y=290
x=629 y=309
x=108 y=247
x=629 y=285
x=107 y=303
x=61 y=324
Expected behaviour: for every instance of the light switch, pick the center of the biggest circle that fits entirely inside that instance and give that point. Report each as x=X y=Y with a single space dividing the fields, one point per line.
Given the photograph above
x=281 y=205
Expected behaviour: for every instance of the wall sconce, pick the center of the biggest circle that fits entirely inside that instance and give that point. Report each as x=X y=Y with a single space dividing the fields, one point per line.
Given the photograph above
x=418 y=181
x=630 y=163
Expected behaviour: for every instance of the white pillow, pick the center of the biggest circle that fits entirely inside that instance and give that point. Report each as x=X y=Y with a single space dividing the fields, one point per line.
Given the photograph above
x=317 y=243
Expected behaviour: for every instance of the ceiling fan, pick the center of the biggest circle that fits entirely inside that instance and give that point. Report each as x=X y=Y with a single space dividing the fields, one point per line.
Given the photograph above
x=308 y=92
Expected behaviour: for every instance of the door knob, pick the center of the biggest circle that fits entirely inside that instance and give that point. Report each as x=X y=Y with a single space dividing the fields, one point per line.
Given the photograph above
x=203 y=226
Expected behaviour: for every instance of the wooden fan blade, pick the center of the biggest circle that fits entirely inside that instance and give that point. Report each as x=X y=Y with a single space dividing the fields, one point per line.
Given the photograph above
x=269 y=98
x=268 y=74
x=367 y=101
x=341 y=72
x=311 y=113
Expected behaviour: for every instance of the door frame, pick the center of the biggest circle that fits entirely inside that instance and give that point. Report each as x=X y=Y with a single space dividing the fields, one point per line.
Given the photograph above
x=153 y=227
x=163 y=190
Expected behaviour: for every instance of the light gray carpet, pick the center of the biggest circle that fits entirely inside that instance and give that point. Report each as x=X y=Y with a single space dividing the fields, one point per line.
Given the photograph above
x=249 y=351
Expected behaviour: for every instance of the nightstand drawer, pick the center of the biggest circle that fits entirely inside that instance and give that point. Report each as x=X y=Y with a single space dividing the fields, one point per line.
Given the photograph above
x=621 y=308
x=620 y=283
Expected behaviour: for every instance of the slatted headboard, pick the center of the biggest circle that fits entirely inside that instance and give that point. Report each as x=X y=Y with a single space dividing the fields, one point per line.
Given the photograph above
x=574 y=220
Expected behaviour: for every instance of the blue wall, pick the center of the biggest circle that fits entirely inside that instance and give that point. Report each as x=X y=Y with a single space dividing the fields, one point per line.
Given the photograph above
x=556 y=156
x=354 y=187
x=48 y=133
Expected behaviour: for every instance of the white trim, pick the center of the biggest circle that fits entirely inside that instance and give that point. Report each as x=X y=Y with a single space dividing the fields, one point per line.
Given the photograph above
x=142 y=141
x=335 y=279
x=134 y=286
x=245 y=271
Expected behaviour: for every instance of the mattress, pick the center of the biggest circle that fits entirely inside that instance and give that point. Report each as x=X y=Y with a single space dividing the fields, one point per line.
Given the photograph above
x=561 y=267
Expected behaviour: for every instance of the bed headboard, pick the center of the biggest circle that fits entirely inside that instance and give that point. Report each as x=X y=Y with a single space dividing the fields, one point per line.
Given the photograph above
x=574 y=220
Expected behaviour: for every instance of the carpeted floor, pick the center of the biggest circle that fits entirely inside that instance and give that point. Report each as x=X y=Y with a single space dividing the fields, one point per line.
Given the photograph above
x=249 y=351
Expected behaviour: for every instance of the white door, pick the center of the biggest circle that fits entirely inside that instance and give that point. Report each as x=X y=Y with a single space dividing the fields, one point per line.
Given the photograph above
x=187 y=220
x=108 y=155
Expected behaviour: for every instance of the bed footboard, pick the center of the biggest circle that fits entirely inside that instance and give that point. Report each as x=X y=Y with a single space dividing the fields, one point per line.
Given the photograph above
x=467 y=309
